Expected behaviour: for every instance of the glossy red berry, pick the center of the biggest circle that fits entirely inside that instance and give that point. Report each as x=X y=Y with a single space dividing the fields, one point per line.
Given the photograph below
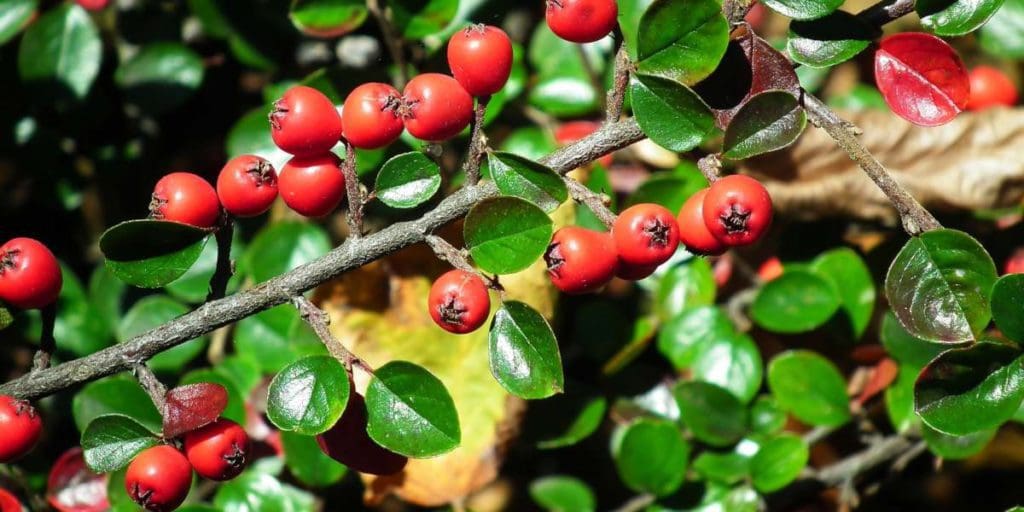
x=693 y=232
x=646 y=234
x=304 y=122
x=313 y=187
x=436 y=107
x=573 y=131
x=219 y=451
x=459 y=302
x=9 y=502
x=581 y=260
x=372 y=116
x=158 y=479
x=247 y=186
x=737 y=210
x=21 y=427
x=990 y=87
x=582 y=21
x=480 y=57
x=186 y=198
x=93 y=5
x=30 y=277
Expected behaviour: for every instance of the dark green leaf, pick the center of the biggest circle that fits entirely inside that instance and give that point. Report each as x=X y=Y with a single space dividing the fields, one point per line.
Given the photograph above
x=61 y=50
x=308 y=462
x=681 y=337
x=809 y=386
x=417 y=19
x=308 y=396
x=804 y=9
x=712 y=413
x=670 y=113
x=283 y=246
x=250 y=135
x=779 y=461
x=828 y=41
x=327 y=18
x=682 y=40
x=860 y=98
x=732 y=362
x=110 y=442
x=408 y=180
x=904 y=347
x=15 y=16
x=955 y=17
x=524 y=352
x=797 y=301
x=586 y=423
x=685 y=286
x=106 y=292
x=160 y=77
x=767 y=122
x=956 y=447
x=853 y=283
x=506 y=234
x=276 y=337
x=529 y=142
x=1003 y=35
x=521 y=177
x=563 y=494
x=150 y=313
x=1008 y=306
x=119 y=395
x=562 y=86
x=151 y=253
x=410 y=412
x=765 y=416
x=651 y=456
x=899 y=399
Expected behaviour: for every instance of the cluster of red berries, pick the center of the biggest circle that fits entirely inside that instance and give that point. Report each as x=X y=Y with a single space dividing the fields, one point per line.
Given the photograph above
x=734 y=211
x=30 y=277
x=246 y=187
x=159 y=478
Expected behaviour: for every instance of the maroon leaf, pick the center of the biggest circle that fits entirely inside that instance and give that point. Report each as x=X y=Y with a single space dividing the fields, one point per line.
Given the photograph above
x=921 y=78
x=193 y=406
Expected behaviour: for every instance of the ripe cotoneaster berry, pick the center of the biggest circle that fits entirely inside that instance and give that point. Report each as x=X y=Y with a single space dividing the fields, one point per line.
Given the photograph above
x=436 y=107
x=459 y=302
x=990 y=87
x=313 y=187
x=247 y=186
x=30 y=277
x=646 y=234
x=582 y=21
x=693 y=232
x=480 y=58
x=304 y=122
x=158 y=479
x=372 y=116
x=581 y=260
x=186 y=198
x=219 y=451
x=737 y=210
x=21 y=427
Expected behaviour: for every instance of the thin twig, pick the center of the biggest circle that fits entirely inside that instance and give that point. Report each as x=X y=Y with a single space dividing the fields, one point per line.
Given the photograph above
x=354 y=191
x=151 y=385
x=449 y=253
x=598 y=203
x=636 y=503
x=901 y=463
x=885 y=11
x=225 y=267
x=47 y=343
x=817 y=434
x=711 y=167
x=623 y=67
x=477 y=143
x=319 y=320
x=392 y=39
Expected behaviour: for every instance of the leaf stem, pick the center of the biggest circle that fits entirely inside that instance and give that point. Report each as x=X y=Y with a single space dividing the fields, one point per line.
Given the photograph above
x=319 y=320
x=151 y=385
x=47 y=343
x=457 y=258
x=477 y=142
x=225 y=267
x=598 y=203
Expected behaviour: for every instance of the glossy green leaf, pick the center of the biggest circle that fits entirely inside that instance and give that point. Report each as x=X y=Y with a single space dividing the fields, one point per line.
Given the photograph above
x=732 y=362
x=712 y=413
x=521 y=177
x=585 y=424
x=939 y=285
x=670 y=113
x=765 y=416
x=151 y=253
x=860 y=98
x=506 y=234
x=327 y=18
x=899 y=399
x=727 y=468
x=955 y=17
x=630 y=12
x=803 y=9
x=160 y=77
x=194 y=285
x=150 y=313
x=797 y=301
x=683 y=286
x=830 y=40
x=956 y=447
x=276 y=337
x=410 y=412
x=308 y=463
x=417 y=19
x=562 y=86
x=1008 y=306
x=79 y=328
x=524 y=352
x=779 y=461
x=670 y=190
x=61 y=50
x=563 y=95
x=853 y=283
x=120 y=395
x=682 y=40
x=904 y=347
x=283 y=246
x=681 y=337
x=651 y=456
x=1003 y=35
x=235 y=409
x=563 y=494
x=809 y=386
x=258 y=489
x=529 y=142
x=110 y=442
x=15 y=16
x=408 y=180
x=767 y=122
x=308 y=396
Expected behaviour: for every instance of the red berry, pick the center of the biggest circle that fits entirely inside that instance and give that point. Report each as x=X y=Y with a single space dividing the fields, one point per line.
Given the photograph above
x=219 y=451
x=9 y=502
x=459 y=302
x=990 y=88
x=21 y=427
x=631 y=272
x=646 y=234
x=693 y=232
x=770 y=269
x=93 y=5
x=159 y=478
x=480 y=58
x=247 y=186
x=573 y=131
x=372 y=116
x=436 y=107
x=304 y=122
x=313 y=187
x=737 y=210
x=73 y=487
x=186 y=198
x=348 y=443
x=30 y=277
x=1015 y=263
x=582 y=21
x=581 y=260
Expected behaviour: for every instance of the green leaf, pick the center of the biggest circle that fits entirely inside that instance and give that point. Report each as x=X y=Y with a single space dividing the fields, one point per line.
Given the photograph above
x=1003 y=35
x=670 y=113
x=62 y=51
x=899 y=399
x=828 y=41
x=150 y=313
x=120 y=395
x=651 y=456
x=1007 y=305
x=160 y=77
x=712 y=413
x=597 y=182
x=670 y=190
x=779 y=461
x=728 y=468
x=686 y=285
x=630 y=12
x=955 y=17
x=585 y=424
x=79 y=328
x=860 y=98
x=562 y=86
x=194 y=285
x=151 y=253
x=15 y=16
x=767 y=122
x=797 y=301
x=235 y=409
x=563 y=494
x=524 y=352
x=257 y=489
x=276 y=337
x=803 y=9
x=308 y=396
x=939 y=284
x=853 y=283
x=681 y=337
x=327 y=18
x=308 y=462
x=956 y=447
x=110 y=442
x=971 y=389
x=904 y=347
x=522 y=177
x=250 y=135
x=732 y=362
x=284 y=246
x=417 y=19
x=408 y=180
x=682 y=40
x=809 y=386
x=506 y=234
x=765 y=416
x=410 y=412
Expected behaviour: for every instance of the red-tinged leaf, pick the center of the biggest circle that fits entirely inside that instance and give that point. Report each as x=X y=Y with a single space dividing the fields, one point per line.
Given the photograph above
x=868 y=354
x=921 y=78
x=193 y=406
x=881 y=377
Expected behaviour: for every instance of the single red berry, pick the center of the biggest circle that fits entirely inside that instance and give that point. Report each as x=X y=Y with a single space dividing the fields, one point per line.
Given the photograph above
x=247 y=186
x=631 y=272
x=372 y=116
x=646 y=234
x=313 y=187
x=30 y=277
x=770 y=269
x=582 y=21
x=573 y=131
x=693 y=232
x=737 y=210
x=93 y=5
x=186 y=198
x=219 y=451
x=9 y=502
x=459 y=302
x=21 y=427
x=480 y=57
x=158 y=479
x=990 y=87
x=436 y=107
x=581 y=260
x=304 y=122
x=1015 y=263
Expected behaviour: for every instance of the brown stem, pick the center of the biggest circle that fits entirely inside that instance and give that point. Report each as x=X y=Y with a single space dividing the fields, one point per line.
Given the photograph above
x=637 y=503
x=711 y=167
x=354 y=192
x=151 y=385
x=319 y=320
x=392 y=39
x=477 y=142
x=598 y=203
x=225 y=267
x=885 y=11
x=617 y=94
x=736 y=10
x=47 y=343
x=449 y=253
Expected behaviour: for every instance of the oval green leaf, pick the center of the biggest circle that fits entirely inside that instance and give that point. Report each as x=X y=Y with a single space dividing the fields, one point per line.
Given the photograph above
x=524 y=352
x=769 y=121
x=417 y=19
x=828 y=41
x=283 y=246
x=327 y=18
x=681 y=337
x=779 y=461
x=803 y=9
x=308 y=463
x=408 y=180
x=410 y=412
x=308 y=396
x=1003 y=35
x=853 y=283
x=904 y=347
x=15 y=15
x=685 y=285
x=809 y=386
x=1008 y=306
x=563 y=494
x=160 y=77
x=732 y=362
x=669 y=113
x=682 y=40
x=955 y=17
x=506 y=234
x=586 y=423
x=712 y=413
x=118 y=395
x=765 y=416
x=651 y=456
x=522 y=177
x=151 y=253
x=61 y=51
x=797 y=301
x=110 y=442
x=956 y=447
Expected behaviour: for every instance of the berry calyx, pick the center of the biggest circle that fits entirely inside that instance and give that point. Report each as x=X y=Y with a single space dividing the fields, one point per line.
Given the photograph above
x=581 y=260
x=436 y=108
x=737 y=210
x=372 y=116
x=304 y=122
x=693 y=232
x=219 y=451
x=990 y=87
x=186 y=198
x=582 y=21
x=21 y=427
x=158 y=479
x=459 y=302
x=314 y=186
x=646 y=234
x=30 y=277
x=480 y=57
x=247 y=186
